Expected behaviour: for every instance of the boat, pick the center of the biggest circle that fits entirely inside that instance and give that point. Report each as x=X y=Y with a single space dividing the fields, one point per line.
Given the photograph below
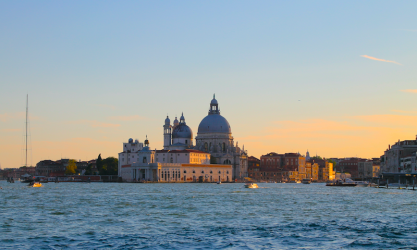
x=219 y=182
x=306 y=181
x=35 y=184
x=342 y=183
x=251 y=185
x=362 y=183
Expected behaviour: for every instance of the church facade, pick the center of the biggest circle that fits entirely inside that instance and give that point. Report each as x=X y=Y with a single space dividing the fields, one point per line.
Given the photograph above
x=213 y=157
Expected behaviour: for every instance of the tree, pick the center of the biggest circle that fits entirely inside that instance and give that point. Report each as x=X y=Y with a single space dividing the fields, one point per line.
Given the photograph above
x=88 y=169
x=99 y=163
x=110 y=166
x=71 y=168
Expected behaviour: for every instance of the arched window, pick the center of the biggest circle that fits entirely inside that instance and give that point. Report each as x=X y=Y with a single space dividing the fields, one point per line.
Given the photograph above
x=202 y=171
x=193 y=171
x=144 y=159
x=227 y=161
x=211 y=172
x=220 y=172
x=227 y=172
x=185 y=171
x=224 y=147
x=205 y=147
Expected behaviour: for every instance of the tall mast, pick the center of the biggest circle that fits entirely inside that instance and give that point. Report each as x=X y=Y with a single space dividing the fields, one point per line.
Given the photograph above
x=26 y=135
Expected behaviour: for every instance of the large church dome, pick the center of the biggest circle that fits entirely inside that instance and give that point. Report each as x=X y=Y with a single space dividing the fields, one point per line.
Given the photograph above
x=214 y=122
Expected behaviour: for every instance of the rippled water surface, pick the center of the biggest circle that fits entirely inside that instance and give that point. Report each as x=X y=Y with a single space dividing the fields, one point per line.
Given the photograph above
x=181 y=216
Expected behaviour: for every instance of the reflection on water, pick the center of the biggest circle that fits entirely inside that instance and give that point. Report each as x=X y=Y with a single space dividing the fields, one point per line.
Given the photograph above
x=120 y=215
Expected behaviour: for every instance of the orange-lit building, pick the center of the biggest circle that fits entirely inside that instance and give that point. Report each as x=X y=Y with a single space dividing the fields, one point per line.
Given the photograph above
x=253 y=167
x=312 y=170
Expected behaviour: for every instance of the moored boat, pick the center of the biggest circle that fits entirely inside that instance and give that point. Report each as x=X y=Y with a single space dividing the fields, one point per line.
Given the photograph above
x=362 y=183
x=306 y=181
x=342 y=183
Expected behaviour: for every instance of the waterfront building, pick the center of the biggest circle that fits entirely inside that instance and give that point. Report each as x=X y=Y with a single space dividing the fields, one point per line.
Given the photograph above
x=326 y=171
x=51 y=168
x=16 y=173
x=391 y=160
x=177 y=165
x=253 y=168
x=271 y=167
x=129 y=153
x=408 y=164
x=294 y=164
x=350 y=165
x=214 y=137
x=311 y=170
x=280 y=167
x=365 y=169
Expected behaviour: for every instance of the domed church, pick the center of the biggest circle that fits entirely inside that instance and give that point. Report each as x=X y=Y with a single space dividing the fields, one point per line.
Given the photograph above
x=214 y=136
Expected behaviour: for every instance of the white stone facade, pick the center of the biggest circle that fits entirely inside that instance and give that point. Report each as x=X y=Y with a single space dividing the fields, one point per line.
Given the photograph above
x=176 y=172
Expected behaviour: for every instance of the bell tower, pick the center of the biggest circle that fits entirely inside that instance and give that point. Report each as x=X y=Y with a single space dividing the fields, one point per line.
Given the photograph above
x=167 y=133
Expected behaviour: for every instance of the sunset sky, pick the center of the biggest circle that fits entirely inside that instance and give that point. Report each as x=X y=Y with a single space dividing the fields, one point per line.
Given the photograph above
x=335 y=78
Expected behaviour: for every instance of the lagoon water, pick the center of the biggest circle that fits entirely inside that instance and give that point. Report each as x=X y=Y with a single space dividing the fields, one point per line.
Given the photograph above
x=205 y=216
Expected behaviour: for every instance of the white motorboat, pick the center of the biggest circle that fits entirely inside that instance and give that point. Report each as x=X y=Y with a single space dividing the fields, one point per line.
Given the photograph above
x=251 y=185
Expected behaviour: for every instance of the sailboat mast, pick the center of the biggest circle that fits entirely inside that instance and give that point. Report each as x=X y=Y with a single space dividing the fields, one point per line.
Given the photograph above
x=26 y=135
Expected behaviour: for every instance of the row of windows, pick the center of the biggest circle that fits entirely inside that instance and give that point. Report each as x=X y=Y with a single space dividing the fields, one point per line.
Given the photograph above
x=202 y=171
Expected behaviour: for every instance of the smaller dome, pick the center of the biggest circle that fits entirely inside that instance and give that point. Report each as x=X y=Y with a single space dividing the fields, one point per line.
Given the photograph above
x=182 y=131
x=136 y=141
x=214 y=102
x=130 y=140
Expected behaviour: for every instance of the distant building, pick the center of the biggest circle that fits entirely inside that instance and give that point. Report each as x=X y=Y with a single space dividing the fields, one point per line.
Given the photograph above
x=408 y=164
x=391 y=160
x=365 y=169
x=16 y=173
x=253 y=167
x=280 y=167
x=294 y=163
x=311 y=171
x=350 y=165
x=51 y=168
x=271 y=167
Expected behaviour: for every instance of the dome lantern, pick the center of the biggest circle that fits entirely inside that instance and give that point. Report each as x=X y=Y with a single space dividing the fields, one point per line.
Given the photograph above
x=214 y=106
x=182 y=119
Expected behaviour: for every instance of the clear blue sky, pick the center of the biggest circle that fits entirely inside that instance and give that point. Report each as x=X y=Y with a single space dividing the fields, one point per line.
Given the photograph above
x=105 y=71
